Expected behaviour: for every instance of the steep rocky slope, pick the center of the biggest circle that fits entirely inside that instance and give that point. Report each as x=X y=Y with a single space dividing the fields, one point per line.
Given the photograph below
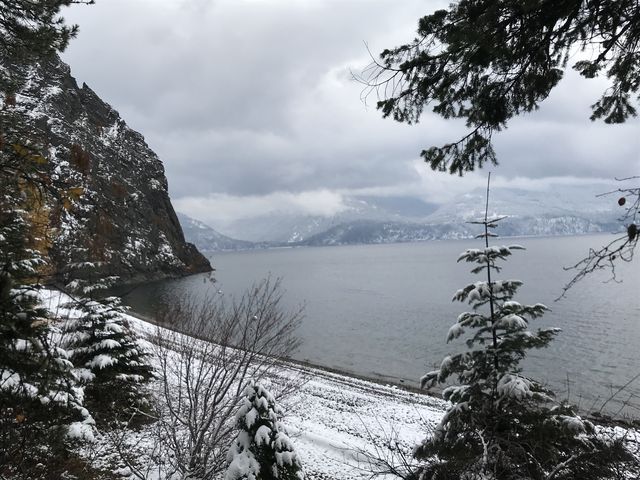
x=107 y=207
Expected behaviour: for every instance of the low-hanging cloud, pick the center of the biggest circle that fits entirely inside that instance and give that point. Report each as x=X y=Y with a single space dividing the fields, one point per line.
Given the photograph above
x=222 y=208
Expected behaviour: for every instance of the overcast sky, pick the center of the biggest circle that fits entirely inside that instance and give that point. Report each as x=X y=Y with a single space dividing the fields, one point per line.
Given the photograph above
x=251 y=106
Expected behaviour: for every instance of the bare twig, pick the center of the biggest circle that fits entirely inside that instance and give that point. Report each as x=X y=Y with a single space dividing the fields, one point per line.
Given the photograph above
x=620 y=249
x=205 y=366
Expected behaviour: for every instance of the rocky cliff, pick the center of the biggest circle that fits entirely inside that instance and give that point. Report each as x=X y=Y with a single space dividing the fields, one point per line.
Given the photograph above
x=107 y=207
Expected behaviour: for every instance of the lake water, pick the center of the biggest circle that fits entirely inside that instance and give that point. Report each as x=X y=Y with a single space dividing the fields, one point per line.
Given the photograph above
x=383 y=311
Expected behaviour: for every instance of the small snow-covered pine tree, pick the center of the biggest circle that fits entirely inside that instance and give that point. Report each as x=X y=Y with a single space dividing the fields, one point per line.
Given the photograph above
x=262 y=449
x=502 y=424
x=109 y=358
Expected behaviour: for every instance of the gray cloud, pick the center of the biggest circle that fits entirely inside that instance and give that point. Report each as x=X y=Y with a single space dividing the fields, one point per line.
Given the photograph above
x=253 y=99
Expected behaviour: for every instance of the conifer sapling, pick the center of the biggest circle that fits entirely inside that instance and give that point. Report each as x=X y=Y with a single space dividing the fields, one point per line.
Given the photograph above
x=262 y=449
x=108 y=356
x=502 y=424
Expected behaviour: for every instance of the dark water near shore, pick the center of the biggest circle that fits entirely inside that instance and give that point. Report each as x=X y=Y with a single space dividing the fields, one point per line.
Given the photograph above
x=383 y=311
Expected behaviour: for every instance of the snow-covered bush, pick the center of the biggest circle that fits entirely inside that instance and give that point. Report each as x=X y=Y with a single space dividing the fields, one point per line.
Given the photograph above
x=500 y=423
x=262 y=450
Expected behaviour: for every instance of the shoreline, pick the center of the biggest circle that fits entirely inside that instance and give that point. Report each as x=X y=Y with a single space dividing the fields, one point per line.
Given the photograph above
x=351 y=377
x=303 y=364
x=265 y=246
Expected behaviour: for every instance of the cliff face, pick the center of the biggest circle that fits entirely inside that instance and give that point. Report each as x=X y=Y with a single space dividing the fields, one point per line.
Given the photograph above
x=111 y=214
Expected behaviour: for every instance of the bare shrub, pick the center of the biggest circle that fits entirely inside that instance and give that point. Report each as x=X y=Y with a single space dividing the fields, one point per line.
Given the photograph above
x=386 y=455
x=207 y=354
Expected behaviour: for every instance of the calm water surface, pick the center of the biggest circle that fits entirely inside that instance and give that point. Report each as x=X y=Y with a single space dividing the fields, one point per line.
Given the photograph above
x=383 y=311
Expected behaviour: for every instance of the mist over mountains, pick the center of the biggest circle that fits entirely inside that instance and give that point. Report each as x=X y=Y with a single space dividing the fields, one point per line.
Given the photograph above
x=556 y=210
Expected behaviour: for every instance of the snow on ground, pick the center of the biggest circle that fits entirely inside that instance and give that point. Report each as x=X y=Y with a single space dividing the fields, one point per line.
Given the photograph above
x=333 y=418
x=335 y=421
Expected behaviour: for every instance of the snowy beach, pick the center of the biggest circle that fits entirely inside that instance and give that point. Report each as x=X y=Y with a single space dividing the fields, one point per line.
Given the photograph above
x=342 y=427
x=333 y=419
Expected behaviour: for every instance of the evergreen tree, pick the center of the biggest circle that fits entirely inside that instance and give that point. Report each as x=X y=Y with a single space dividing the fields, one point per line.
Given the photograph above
x=262 y=449
x=32 y=29
x=109 y=358
x=39 y=403
x=502 y=424
x=488 y=61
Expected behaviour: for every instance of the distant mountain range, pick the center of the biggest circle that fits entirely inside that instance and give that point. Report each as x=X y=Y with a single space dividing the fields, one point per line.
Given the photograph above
x=284 y=227
x=210 y=239
x=566 y=210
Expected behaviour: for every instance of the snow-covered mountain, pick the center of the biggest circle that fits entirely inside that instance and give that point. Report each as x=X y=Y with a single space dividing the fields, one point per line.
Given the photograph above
x=286 y=227
x=555 y=201
x=371 y=232
x=556 y=210
x=209 y=240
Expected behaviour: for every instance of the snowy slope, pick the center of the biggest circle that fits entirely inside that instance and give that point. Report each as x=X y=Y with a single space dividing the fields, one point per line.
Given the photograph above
x=330 y=417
